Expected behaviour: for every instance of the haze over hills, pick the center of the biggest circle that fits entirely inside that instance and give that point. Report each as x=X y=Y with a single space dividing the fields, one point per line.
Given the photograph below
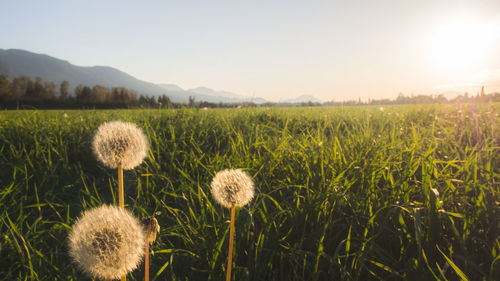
x=207 y=94
x=14 y=63
x=302 y=99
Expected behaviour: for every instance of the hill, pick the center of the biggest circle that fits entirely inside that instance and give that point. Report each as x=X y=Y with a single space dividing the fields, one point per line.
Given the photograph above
x=302 y=99
x=15 y=62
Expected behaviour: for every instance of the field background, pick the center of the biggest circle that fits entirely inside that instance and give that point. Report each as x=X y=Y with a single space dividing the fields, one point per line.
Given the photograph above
x=343 y=193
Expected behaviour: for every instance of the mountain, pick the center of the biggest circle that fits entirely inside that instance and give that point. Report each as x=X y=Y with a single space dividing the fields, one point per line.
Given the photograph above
x=209 y=92
x=19 y=62
x=303 y=99
x=210 y=95
x=14 y=62
x=171 y=87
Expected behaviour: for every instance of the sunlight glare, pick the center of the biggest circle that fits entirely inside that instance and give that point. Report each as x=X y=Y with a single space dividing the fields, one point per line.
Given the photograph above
x=461 y=44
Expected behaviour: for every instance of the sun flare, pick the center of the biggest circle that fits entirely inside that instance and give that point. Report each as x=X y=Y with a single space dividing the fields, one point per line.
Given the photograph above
x=461 y=44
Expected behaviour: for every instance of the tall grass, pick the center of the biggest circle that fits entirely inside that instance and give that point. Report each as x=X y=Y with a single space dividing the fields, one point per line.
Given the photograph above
x=344 y=193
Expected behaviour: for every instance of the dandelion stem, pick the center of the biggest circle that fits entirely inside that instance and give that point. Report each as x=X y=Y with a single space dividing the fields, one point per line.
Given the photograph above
x=230 y=254
x=121 y=200
x=146 y=262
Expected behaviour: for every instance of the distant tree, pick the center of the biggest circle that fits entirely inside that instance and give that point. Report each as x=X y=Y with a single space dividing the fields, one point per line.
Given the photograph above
x=4 y=86
x=99 y=94
x=191 y=101
x=165 y=101
x=78 y=90
x=50 y=91
x=115 y=94
x=87 y=94
x=30 y=92
x=123 y=97
x=39 y=92
x=18 y=87
x=401 y=99
x=83 y=94
x=132 y=97
x=143 y=101
x=441 y=99
x=63 y=90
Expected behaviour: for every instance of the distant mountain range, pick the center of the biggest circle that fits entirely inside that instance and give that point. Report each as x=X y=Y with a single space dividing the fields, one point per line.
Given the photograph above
x=14 y=63
x=303 y=99
x=207 y=94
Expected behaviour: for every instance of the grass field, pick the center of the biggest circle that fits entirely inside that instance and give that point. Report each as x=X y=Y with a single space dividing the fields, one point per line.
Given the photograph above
x=343 y=193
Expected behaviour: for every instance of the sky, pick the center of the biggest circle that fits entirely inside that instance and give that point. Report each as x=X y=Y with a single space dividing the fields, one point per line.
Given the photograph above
x=333 y=50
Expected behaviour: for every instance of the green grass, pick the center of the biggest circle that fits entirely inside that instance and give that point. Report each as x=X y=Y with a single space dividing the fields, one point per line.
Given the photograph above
x=343 y=193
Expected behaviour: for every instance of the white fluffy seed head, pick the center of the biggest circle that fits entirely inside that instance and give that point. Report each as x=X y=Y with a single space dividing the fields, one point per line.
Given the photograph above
x=232 y=188
x=119 y=143
x=107 y=242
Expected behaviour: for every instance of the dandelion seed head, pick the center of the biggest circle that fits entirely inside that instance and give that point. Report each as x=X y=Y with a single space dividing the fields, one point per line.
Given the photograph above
x=232 y=188
x=118 y=143
x=151 y=228
x=107 y=242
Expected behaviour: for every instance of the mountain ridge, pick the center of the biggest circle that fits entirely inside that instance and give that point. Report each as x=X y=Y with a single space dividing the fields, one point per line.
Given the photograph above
x=18 y=62
x=302 y=99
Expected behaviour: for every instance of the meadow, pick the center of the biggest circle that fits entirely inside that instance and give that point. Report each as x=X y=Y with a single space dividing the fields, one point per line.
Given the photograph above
x=342 y=193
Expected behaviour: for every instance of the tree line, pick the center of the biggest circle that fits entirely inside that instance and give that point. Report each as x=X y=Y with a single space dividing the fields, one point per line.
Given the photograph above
x=23 y=92
x=424 y=99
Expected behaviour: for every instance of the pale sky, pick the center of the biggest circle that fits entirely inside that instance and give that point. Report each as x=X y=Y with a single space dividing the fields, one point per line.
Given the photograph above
x=334 y=50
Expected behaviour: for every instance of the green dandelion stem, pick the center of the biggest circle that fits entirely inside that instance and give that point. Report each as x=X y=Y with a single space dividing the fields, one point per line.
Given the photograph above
x=230 y=253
